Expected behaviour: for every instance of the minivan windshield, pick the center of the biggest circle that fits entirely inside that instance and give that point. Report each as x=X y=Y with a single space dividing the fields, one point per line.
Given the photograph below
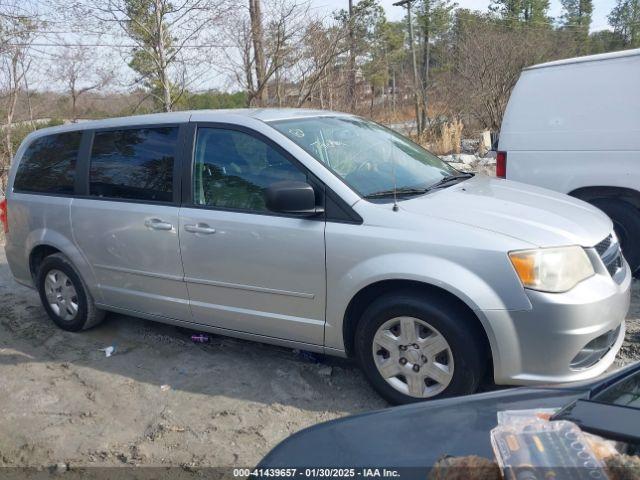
x=370 y=158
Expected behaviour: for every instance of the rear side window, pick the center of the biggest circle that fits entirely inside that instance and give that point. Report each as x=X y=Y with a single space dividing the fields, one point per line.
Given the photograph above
x=48 y=165
x=134 y=164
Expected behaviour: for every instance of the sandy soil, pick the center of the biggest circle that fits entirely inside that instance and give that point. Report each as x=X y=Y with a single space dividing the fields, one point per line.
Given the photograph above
x=227 y=402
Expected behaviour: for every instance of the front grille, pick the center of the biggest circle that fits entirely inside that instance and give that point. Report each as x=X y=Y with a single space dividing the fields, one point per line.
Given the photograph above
x=595 y=350
x=610 y=253
x=614 y=265
x=604 y=245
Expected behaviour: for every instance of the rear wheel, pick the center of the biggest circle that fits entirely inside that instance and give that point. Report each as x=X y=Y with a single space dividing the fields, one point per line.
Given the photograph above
x=64 y=295
x=626 y=223
x=412 y=347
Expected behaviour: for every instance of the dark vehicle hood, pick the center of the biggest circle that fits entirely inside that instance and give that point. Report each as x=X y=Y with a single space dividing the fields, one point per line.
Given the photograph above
x=414 y=435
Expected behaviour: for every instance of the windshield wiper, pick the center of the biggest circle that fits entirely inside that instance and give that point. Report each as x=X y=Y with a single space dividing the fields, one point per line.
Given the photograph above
x=397 y=191
x=404 y=191
x=450 y=178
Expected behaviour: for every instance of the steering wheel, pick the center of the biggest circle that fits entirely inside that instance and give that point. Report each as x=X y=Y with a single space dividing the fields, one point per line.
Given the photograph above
x=368 y=164
x=384 y=167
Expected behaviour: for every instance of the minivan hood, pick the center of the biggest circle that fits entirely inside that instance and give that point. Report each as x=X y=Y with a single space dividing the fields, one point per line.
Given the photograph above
x=531 y=214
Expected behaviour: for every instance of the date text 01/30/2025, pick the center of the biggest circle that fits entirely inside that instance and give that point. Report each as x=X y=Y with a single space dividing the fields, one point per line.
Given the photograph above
x=317 y=472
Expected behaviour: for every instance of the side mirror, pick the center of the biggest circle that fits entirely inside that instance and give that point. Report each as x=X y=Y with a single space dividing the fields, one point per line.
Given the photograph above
x=294 y=198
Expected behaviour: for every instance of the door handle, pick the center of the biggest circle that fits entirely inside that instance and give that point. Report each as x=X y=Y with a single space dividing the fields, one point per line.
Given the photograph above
x=200 y=228
x=157 y=224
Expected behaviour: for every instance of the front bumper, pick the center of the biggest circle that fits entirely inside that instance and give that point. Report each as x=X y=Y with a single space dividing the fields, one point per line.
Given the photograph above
x=541 y=344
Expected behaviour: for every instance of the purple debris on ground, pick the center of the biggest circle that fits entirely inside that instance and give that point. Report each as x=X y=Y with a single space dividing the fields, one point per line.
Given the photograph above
x=201 y=338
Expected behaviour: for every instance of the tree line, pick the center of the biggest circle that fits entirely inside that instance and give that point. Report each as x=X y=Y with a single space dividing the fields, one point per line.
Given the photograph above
x=98 y=58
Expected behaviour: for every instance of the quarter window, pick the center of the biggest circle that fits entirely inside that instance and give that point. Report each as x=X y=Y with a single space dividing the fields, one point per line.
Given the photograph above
x=233 y=169
x=48 y=165
x=134 y=164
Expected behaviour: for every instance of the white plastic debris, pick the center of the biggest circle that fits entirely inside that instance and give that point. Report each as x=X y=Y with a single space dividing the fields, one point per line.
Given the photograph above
x=108 y=351
x=165 y=388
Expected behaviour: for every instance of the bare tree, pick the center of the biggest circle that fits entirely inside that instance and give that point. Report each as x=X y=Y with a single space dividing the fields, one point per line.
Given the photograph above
x=265 y=45
x=17 y=29
x=164 y=33
x=316 y=71
x=12 y=75
x=81 y=71
x=488 y=61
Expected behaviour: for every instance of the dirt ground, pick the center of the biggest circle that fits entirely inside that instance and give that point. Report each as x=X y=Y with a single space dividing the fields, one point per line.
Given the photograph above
x=226 y=403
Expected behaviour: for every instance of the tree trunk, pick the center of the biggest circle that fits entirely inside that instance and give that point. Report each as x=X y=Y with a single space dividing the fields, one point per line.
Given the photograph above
x=74 y=103
x=351 y=79
x=416 y=83
x=162 y=60
x=424 y=73
x=13 y=100
x=393 y=92
x=28 y=94
x=255 y=13
x=278 y=88
x=424 y=85
x=373 y=96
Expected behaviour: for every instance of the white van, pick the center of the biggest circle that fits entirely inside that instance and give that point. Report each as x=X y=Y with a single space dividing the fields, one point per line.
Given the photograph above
x=574 y=126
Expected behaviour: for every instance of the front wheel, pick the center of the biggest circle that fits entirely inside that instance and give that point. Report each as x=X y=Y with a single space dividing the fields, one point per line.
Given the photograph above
x=414 y=347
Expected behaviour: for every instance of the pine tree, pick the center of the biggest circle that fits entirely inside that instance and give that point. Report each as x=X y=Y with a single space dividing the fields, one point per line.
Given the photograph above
x=146 y=23
x=577 y=20
x=386 y=54
x=434 y=18
x=535 y=12
x=513 y=12
x=625 y=20
x=361 y=22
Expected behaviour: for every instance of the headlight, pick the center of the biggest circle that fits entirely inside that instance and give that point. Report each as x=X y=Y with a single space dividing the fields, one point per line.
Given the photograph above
x=552 y=269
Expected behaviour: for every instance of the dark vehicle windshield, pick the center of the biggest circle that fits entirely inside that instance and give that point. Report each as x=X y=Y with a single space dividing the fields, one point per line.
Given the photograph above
x=625 y=392
x=613 y=413
x=370 y=158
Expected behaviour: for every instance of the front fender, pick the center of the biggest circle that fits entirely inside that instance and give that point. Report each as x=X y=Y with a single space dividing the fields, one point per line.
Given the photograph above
x=474 y=290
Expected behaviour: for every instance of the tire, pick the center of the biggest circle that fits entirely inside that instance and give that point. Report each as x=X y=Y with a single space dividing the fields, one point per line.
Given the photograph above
x=58 y=278
x=626 y=223
x=465 y=361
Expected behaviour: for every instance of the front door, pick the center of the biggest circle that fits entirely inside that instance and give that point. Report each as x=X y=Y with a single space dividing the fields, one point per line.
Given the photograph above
x=246 y=268
x=127 y=224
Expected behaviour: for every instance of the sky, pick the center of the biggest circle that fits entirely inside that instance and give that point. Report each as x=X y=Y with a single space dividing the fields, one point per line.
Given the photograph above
x=324 y=7
x=601 y=9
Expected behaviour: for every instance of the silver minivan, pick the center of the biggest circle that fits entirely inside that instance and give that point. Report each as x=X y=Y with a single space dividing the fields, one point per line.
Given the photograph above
x=320 y=231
